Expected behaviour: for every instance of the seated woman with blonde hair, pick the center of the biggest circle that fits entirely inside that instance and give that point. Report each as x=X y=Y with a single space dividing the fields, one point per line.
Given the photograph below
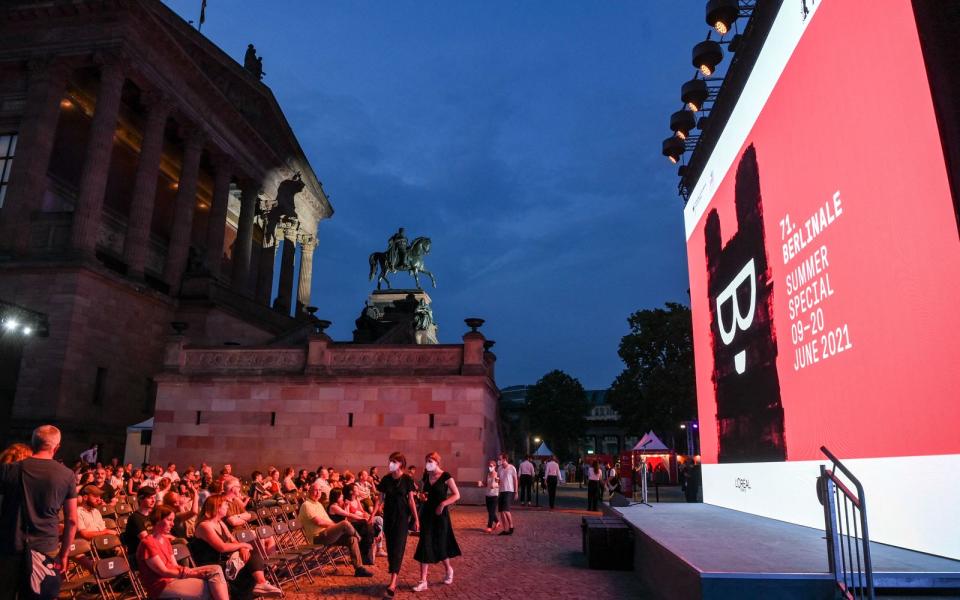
x=163 y=577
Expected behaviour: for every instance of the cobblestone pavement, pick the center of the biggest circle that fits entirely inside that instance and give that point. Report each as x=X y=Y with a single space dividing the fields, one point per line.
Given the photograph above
x=541 y=560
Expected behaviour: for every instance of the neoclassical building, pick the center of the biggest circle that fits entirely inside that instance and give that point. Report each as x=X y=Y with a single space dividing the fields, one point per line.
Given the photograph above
x=146 y=178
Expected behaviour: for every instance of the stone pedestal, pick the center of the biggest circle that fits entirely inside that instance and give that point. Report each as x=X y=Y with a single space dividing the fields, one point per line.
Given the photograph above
x=390 y=318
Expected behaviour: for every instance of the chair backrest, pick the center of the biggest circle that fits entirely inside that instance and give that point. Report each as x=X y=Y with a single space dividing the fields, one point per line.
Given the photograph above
x=280 y=528
x=109 y=523
x=124 y=508
x=245 y=536
x=265 y=515
x=122 y=521
x=181 y=553
x=106 y=542
x=278 y=512
x=79 y=547
x=264 y=532
x=108 y=568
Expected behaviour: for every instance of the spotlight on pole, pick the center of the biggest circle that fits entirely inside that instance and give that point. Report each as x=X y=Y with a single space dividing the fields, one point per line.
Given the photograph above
x=673 y=148
x=681 y=122
x=10 y=324
x=694 y=93
x=721 y=14
x=706 y=56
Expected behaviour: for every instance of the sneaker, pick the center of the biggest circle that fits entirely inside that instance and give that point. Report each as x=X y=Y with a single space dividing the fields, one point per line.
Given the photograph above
x=504 y=533
x=420 y=587
x=361 y=572
x=510 y=532
x=266 y=589
x=381 y=552
x=488 y=530
x=449 y=578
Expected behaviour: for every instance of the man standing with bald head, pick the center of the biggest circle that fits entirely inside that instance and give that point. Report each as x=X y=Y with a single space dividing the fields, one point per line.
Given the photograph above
x=32 y=551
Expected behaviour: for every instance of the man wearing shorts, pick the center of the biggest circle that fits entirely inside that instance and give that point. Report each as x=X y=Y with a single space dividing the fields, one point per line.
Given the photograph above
x=508 y=492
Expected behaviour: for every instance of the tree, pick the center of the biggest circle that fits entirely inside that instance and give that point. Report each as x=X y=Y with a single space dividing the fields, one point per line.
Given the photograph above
x=557 y=408
x=656 y=390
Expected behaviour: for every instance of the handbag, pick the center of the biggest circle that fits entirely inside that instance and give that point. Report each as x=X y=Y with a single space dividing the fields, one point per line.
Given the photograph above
x=233 y=565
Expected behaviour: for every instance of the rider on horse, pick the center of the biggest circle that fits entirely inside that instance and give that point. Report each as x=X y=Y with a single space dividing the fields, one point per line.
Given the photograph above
x=397 y=250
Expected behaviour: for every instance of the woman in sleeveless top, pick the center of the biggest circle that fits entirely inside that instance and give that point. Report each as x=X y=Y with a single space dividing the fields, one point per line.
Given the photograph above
x=437 y=542
x=213 y=544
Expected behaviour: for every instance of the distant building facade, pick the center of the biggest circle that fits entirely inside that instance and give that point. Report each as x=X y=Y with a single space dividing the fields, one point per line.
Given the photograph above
x=604 y=435
x=146 y=178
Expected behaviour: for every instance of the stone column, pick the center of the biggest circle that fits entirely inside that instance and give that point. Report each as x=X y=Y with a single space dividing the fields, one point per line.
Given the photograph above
x=96 y=164
x=217 y=223
x=38 y=129
x=186 y=204
x=137 y=241
x=268 y=255
x=285 y=288
x=242 y=245
x=308 y=244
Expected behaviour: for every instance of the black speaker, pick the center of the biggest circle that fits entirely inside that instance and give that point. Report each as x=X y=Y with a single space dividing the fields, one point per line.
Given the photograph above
x=619 y=500
x=146 y=436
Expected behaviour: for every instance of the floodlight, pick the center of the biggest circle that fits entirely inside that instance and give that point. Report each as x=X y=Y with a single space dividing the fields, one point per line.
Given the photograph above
x=721 y=14
x=27 y=330
x=694 y=93
x=10 y=324
x=681 y=122
x=706 y=56
x=673 y=147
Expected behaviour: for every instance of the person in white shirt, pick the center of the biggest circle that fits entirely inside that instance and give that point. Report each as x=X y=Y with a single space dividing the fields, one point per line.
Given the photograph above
x=492 y=484
x=594 y=481
x=171 y=473
x=526 y=472
x=508 y=492
x=552 y=473
x=89 y=456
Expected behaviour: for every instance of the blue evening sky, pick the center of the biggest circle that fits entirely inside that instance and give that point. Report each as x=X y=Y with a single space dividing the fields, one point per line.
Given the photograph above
x=523 y=137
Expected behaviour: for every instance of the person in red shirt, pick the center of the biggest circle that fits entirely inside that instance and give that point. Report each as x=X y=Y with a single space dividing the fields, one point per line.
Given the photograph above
x=163 y=577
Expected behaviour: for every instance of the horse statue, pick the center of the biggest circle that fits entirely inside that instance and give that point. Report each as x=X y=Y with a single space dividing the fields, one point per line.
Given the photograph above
x=412 y=263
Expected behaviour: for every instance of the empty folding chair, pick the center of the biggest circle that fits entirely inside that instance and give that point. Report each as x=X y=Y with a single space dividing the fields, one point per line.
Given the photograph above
x=282 y=566
x=108 y=571
x=288 y=542
x=76 y=577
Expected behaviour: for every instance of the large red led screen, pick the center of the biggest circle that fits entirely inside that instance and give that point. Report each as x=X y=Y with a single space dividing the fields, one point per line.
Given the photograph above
x=825 y=258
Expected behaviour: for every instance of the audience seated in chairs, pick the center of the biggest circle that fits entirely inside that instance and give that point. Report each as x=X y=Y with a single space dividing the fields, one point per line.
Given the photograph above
x=319 y=528
x=214 y=543
x=163 y=577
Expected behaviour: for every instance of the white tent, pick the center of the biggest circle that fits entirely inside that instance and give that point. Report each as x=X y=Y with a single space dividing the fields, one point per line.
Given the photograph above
x=543 y=450
x=135 y=452
x=650 y=441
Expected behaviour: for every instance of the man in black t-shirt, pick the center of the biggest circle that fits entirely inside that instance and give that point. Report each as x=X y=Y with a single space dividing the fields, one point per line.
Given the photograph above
x=137 y=524
x=34 y=491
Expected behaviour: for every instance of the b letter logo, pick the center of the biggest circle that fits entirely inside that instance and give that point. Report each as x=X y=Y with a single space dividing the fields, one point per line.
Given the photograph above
x=740 y=289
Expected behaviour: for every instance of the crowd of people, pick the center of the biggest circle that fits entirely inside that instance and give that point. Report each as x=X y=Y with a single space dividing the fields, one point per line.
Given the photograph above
x=46 y=509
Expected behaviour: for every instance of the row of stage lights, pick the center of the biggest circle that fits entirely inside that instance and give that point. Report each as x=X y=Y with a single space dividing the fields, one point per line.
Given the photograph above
x=18 y=322
x=722 y=17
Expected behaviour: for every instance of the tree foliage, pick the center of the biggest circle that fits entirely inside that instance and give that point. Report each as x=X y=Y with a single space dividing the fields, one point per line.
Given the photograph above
x=557 y=407
x=656 y=390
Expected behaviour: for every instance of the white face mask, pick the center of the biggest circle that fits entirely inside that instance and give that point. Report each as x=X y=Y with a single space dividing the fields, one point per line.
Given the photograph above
x=491 y=468
x=393 y=467
x=430 y=466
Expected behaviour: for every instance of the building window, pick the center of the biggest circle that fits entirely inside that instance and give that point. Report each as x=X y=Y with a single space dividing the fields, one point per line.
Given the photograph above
x=99 y=386
x=611 y=445
x=8 y=146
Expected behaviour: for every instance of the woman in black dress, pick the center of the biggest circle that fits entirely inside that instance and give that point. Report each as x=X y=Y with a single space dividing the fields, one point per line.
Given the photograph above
x=437 y=543
x=399 y=505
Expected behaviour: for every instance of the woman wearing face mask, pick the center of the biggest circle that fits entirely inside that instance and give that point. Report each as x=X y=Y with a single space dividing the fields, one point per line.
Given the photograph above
x=437 y=543
x=492 y=483
x=399 y=504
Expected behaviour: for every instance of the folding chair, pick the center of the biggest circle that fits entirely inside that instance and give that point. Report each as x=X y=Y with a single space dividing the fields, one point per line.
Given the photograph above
x=124 y=508
x=108 y=570
x=181 y=553
x=281 y=565
x=76 y=577
x=288 y=543
x=264 y=516
x=122 y=522
x=109 y=523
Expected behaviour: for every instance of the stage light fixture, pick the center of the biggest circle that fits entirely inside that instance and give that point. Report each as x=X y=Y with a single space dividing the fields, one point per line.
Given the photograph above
x=10 y=324
x=721 y=14
x=694 y=93
x=673 y=148
x=681 y=122
x=706 y=56
x=27 y=330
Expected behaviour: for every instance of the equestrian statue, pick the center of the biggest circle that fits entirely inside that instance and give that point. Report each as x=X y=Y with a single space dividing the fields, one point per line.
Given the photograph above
x=401 y=257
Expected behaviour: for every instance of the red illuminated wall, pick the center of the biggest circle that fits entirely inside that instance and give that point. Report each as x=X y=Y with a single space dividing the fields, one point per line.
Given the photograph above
x=866 y=352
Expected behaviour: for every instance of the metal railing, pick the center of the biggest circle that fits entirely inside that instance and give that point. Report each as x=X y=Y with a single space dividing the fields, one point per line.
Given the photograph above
x=845 y=521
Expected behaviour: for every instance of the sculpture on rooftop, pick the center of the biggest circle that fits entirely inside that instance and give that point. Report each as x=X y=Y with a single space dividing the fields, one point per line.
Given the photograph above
x=399 y=257
x=253 y=63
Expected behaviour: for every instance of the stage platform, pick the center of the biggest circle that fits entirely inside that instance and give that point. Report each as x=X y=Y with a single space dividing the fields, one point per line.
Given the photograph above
x=703 y=551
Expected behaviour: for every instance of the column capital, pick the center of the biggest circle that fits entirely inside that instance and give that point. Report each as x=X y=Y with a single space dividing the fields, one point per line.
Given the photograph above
x=307 y=241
